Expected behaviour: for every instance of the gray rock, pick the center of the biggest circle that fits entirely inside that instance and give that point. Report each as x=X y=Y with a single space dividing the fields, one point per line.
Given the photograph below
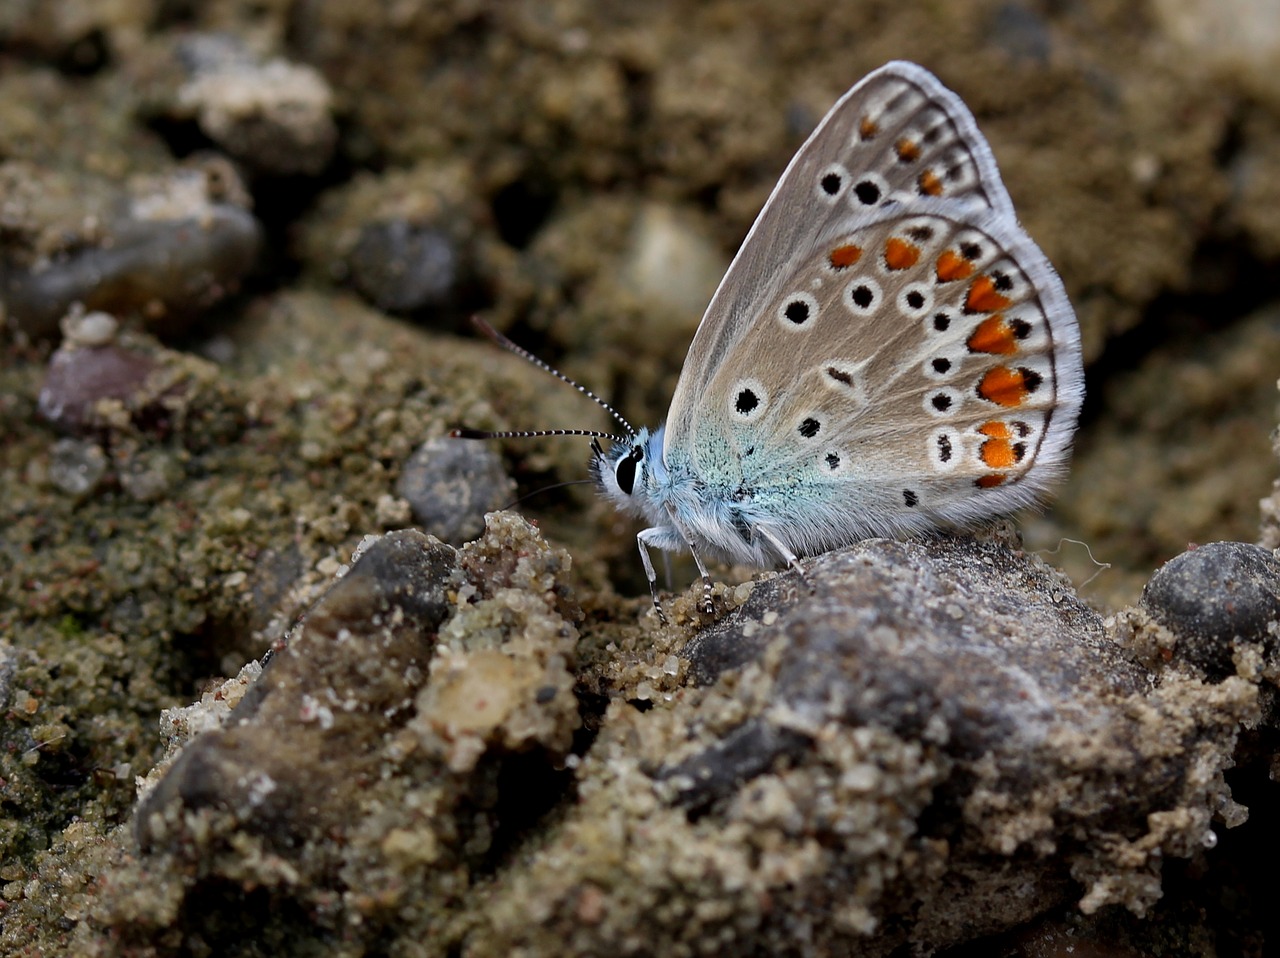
x=356 y=664
x=924 y=742
x=1213 y=597
x=405 y=267
x=173 y=246
x=411 y=240
x=451 y=483
x=147 y=475
x=403 y=729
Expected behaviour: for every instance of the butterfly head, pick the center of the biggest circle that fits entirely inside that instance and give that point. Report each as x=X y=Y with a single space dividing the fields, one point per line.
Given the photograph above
x=627 y=473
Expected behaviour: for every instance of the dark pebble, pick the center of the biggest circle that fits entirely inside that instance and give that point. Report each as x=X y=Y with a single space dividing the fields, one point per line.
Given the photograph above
x=451 y=483
x=403 y=268
x=1214 y=596
x=181 y=265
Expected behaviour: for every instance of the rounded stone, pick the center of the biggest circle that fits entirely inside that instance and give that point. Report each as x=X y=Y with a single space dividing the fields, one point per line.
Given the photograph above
x=148 y=475
x=78 y=378
x=77 y=466
x=403 y=267
x=1213 y=596
x=89 y=329
x=273 y=115
x=451 y=483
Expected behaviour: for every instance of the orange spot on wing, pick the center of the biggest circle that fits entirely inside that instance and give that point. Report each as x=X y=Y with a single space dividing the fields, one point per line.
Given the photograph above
x=984 y=297
x=899 y=254
x=993 y=335
x=996 y=429
x=868 y=128
x=953 y=266
x=929 y=183
x=907 y=150
x=1007 y=387
x=988 y=481
x=844 y=256
x=998 y=453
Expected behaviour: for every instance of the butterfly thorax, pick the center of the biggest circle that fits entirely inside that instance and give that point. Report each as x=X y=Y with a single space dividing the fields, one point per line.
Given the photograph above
x=679 y=504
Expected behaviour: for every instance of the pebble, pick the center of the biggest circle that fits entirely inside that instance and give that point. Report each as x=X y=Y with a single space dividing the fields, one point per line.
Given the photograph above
x=147 y=475
x=173 y=247
x=451 y=483
x=1212 y=597
x=403 y=267
x=89 y=329
x=77 y=466
x=79 y=378
x=272 y=114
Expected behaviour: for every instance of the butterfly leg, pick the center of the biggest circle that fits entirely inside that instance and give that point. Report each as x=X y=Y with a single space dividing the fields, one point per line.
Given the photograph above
x=650 y=574
x=707 y=605
x=791 y=558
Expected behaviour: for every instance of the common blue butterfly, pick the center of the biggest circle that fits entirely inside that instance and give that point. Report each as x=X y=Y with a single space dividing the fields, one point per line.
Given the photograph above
x=888 y=353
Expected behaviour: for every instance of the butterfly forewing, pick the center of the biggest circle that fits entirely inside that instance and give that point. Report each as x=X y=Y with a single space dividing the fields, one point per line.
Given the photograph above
x=896 y=136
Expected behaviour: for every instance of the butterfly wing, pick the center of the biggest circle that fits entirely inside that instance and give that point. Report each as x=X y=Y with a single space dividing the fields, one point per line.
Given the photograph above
x=915 y=368
x=896 y=135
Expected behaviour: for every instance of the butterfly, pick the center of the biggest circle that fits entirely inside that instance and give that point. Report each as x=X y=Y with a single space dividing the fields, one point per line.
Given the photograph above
x=888 y=353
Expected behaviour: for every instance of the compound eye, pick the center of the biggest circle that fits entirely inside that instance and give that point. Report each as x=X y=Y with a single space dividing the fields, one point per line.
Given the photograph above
x=625 y=472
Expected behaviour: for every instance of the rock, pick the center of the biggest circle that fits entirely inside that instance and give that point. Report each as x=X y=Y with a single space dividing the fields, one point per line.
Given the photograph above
x=671 y=262
x=147 y=475
x=404 y=267
x=621 y=271
x=77 y=466
x=283 y=765
x=1237 y=37
x=1214 y=598
x=274 y=115
x=390 y=734
x=89 y=329
x=936 y=741
x=131 y=387
x=169 y=246
x=406 y=239
x=79 y=378
x=451 y=483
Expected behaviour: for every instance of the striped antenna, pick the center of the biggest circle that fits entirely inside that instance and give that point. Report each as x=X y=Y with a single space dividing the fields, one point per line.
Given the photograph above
x=524 y=354
x=534 y=434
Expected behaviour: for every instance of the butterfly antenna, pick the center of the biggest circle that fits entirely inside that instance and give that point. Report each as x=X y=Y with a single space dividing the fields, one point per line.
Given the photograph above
x=534 y=434
x=524 y=354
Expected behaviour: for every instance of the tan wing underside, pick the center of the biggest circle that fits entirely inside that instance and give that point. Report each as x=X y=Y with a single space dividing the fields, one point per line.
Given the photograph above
x=934 y=355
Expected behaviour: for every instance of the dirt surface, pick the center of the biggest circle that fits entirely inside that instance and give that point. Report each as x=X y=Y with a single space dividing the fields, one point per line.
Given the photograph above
x=240 y=245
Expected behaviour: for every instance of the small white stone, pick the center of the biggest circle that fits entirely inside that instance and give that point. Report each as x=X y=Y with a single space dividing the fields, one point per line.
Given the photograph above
x=89 y=329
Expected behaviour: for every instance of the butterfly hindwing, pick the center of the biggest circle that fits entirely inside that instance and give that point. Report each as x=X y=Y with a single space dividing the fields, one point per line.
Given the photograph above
x=915 y=367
